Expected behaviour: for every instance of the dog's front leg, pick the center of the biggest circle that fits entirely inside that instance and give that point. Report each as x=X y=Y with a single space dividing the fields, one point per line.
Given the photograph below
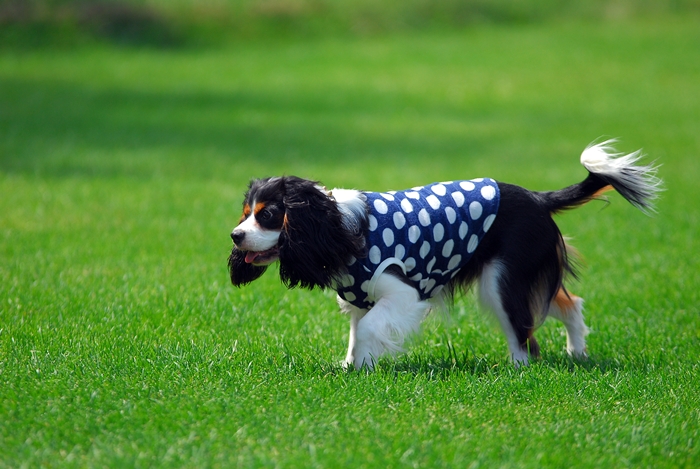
x=397 y=313
x=355 y=314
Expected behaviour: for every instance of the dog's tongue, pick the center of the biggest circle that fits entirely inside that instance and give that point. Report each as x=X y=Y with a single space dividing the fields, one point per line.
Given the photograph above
x=250 y=256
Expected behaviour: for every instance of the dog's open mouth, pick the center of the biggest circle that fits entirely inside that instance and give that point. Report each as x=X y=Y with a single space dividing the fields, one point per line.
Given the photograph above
x=262 y=257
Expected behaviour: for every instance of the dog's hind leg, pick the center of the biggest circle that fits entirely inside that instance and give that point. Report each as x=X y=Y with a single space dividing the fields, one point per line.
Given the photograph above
x=568 y=309
x=397 y=313
x=512 y=311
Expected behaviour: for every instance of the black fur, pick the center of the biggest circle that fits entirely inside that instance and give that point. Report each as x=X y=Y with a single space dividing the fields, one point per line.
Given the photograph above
x=527 y=242
x=314 y=245
x=241 y=272
x=574 y=195
x=529 y=245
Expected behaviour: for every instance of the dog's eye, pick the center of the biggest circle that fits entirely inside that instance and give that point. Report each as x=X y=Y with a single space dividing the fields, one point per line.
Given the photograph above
x=264 y=215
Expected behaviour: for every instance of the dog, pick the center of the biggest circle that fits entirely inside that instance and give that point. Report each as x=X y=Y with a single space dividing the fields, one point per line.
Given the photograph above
x=393 y=256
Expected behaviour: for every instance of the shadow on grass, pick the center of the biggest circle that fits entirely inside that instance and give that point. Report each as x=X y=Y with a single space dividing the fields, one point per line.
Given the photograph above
x=35 y=23
x=452 y=364
x=54 y=129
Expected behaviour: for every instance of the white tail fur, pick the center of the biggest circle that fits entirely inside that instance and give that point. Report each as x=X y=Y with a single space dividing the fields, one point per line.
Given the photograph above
x=636 y=183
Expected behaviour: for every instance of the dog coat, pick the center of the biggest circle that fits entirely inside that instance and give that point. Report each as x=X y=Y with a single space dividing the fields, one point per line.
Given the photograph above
x=430 y=232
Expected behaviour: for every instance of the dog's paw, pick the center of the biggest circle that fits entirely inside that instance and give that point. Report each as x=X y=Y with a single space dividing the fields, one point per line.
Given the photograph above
x=520 y=358
x=364 y=360
x=581 y=355
x=347 y=364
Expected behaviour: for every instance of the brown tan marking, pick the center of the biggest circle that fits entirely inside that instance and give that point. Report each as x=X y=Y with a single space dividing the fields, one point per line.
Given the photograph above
x=259 y=206
x=602 y=191
x=246 y=213
x=565 y=301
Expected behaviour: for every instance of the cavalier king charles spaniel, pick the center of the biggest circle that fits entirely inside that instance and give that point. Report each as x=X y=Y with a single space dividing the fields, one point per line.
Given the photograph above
x=393 y=256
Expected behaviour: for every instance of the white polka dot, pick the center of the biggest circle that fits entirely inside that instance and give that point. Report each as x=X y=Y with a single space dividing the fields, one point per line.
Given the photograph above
x=473 y=243
x=387 y=196
x=400 y=251
x=430 y=265
x=416 y=278
x=413 y=195
x=406 y=206
x=458 y=198
x=433 y=201
x=467 y=185
x=463 y=230
x=423 y=217
x=372 y=222
x=413 y=233
x=454 y=261
x=410 y=264
x=478 y=180
x=488 y=222
x=391 y=192
x=451 y=214
x=423 y=283
x=446 y=183
x=475 y=210
x=375 y=255
x=429 y=285
x=364 y=286
x=399 y=220
x=388 y=236
x=424 y=249
x=417 y=188
x=349 y=296
x=380 y=206
x=437 y=290
x=447 y=248
x=488 y=192
x=439 y=189
x=352 y=260
x=438 y=232
x=347 y=280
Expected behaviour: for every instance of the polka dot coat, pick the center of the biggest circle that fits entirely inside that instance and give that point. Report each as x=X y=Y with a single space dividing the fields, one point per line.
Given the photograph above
x=430 y=232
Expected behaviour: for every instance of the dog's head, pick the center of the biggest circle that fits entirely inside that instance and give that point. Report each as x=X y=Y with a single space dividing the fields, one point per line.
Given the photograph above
x=299 y=223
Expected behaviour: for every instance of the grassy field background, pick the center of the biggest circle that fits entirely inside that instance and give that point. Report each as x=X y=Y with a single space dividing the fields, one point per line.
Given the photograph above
x=122 y=171
x=187 y=23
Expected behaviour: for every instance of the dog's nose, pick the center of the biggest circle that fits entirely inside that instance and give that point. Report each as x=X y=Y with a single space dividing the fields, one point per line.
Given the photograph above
x=237 y=236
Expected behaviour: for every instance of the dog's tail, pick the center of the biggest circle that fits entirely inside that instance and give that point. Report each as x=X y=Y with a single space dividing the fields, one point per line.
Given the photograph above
x=609 y=170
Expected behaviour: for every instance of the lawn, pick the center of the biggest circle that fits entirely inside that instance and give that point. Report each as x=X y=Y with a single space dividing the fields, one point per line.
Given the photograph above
x=122 y=343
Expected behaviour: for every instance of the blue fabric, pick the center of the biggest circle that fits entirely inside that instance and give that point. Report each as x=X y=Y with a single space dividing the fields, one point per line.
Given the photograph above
x=430 y=232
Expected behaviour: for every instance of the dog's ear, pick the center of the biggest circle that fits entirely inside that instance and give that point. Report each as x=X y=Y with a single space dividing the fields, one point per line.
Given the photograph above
x=314 y=245
x=242 y=273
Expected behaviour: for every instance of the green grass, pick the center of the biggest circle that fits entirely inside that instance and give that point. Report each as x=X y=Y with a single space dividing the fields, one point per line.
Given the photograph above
x=186 y=23
x=121 y=175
